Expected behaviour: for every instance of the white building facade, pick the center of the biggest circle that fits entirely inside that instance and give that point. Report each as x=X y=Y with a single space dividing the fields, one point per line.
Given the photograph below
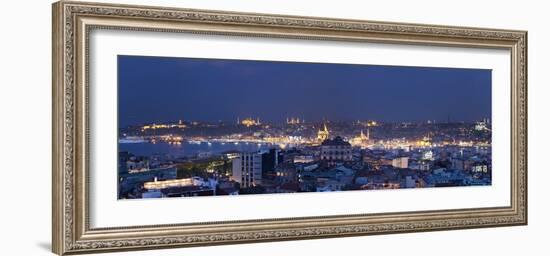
x=336 y=150
x=400 y=162
x=247 y=169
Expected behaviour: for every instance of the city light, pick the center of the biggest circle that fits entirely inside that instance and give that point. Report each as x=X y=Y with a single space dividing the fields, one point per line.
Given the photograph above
x=261 y=127
x=153 y=185
x=365 y=153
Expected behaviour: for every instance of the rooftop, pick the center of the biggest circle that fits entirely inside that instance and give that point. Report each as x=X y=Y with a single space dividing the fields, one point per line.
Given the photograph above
x=338 y=141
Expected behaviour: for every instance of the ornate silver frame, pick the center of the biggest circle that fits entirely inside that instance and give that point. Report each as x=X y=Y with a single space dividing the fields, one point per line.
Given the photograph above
x=72 y=22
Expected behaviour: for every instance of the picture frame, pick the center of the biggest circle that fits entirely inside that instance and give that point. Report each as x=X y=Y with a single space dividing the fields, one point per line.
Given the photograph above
x=73 y=23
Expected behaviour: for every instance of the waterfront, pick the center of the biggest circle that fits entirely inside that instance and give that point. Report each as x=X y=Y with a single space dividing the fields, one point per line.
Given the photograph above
x=190 y=149
x=166 y=162
x=209 y=127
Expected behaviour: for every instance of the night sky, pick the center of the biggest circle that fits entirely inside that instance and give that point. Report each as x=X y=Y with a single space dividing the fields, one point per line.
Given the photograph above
x=159 y=89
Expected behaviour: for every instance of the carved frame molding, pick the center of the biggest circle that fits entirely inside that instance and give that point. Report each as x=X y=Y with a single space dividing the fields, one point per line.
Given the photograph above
x=72 y=22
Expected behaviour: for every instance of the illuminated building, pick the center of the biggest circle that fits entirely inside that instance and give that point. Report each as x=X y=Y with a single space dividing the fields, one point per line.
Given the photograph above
x=368 y=123
x=361 y=140
x=293 y=120
x=323 y=135
x=428 y=155
x=249 y=122
x=194 y=186
x=286 y=173
x=372 y=123
x=424 y=142
x=336 y=150
x=400 y=162
x=231 y=155
x=179 y=125
x=482 y=125
x=153 y=185
x=304 y=159
x=424 y=165
x=171 y=139
x=480 y=167
x=247 y=169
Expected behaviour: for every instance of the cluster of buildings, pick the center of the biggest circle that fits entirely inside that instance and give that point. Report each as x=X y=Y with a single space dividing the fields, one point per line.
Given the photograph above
x=249 y=122
x=334 y=163
x=398 y=157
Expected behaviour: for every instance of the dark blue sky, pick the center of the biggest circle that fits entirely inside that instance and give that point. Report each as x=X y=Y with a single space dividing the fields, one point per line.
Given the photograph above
x=157 y=89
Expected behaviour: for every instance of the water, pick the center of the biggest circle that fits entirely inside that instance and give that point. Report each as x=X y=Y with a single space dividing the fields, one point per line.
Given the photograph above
x=189 y=149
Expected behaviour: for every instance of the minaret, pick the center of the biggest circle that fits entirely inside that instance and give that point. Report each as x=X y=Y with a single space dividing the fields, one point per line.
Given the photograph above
x=368 y=134
x=323 y=134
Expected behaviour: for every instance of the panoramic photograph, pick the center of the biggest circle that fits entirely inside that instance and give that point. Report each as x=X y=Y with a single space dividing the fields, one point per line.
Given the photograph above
x=212 y=127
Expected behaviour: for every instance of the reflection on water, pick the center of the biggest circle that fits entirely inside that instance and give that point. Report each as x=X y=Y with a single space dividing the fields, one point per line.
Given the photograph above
x=189 y=148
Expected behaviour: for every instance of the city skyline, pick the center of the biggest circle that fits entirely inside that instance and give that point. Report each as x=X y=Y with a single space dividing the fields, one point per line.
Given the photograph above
x=238 y=121
x=161 y=89
x=291 y=127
